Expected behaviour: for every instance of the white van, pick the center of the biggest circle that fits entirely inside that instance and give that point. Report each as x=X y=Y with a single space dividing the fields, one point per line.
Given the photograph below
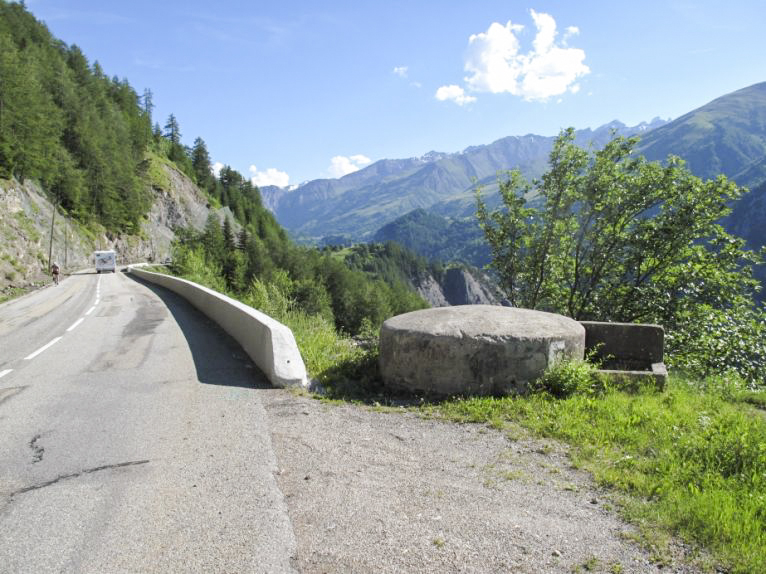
x=105 y=261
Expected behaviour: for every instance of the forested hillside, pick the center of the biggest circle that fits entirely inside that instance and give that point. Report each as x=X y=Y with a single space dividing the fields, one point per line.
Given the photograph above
x=68 y=125
x=438 y=238
x=90 y=142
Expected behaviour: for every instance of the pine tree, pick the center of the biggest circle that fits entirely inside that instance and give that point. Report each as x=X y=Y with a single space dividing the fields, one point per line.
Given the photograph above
x=173 y=130
x=203 y=170
x=228 y=236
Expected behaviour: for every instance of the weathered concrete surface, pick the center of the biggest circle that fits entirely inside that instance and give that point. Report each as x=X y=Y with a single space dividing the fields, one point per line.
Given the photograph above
x=631 y=353
x=474 y=349
x=270 y=344
x=625 y=341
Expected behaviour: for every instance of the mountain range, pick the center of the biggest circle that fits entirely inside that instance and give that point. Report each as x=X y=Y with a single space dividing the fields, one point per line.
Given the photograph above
x=357 y=204
x=427 y=202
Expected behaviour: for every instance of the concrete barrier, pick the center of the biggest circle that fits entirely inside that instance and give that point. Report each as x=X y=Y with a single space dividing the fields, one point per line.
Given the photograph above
x=270 y=344
x=630 y=353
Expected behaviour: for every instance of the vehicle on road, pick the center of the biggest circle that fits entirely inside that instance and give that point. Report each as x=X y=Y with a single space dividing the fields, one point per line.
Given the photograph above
x=105 y=261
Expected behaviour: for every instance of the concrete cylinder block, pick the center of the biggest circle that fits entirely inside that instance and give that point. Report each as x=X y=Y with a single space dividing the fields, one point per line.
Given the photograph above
x=474 y=349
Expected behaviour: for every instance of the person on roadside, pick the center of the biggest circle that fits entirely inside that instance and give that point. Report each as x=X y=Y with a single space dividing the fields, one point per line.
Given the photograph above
x=55 y=270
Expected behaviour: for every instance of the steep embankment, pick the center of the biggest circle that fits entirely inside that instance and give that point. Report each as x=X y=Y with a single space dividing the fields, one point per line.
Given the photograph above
x=25 y=224
x=457 y=286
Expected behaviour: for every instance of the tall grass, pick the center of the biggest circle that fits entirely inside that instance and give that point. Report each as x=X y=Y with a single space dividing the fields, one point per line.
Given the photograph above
x=334 y=360
x=692 y=459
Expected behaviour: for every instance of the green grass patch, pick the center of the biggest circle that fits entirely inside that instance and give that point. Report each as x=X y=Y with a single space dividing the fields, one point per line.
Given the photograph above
x=12 y=293
x=155 y=174
x=27 y=225
x=692 y=460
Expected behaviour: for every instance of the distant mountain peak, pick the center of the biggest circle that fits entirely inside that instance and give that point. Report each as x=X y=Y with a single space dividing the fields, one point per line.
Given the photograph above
x=432 y=156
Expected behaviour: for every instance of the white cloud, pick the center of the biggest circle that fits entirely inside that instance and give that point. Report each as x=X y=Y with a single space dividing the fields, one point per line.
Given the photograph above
x=217 y=167
x=454 y=93
x=341 y=165
x=271 y=176
x=496 y=63
x=401 y=71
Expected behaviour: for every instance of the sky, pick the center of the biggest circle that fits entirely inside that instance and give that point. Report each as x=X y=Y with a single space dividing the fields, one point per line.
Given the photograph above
x=294 y=90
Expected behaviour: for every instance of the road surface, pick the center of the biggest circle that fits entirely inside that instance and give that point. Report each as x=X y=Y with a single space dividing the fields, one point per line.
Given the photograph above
x=131 y=439
x=135 y=436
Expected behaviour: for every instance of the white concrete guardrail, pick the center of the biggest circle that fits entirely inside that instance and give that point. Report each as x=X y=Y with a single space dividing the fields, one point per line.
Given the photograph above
x=270 y=344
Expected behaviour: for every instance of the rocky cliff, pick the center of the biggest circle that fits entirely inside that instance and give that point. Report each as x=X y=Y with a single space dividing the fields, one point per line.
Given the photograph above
x=458 y=286
x=26 y=216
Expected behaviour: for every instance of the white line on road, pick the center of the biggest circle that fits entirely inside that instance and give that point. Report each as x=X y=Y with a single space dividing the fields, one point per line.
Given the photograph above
x=75 y=324
x=41 y=349
x=5 y=372
x=90 y=310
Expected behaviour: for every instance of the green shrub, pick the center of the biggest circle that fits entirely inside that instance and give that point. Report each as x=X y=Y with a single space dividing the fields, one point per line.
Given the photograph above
x=564 y=379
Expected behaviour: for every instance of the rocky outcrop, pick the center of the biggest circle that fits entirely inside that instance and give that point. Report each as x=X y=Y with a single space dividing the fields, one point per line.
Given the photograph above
x=462 y=288
x=458 y=286
x=430 y=290
x=25 y=237
x=25 y=230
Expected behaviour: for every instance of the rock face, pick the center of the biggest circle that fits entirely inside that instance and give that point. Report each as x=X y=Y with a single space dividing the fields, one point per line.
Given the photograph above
x=474 y=349
x=462 y=288
x=458 y=287
x=25 y=230
x=25 y=237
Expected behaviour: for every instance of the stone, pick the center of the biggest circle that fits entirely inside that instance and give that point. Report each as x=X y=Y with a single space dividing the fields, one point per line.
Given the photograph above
x=474 y=349
x=630 y=354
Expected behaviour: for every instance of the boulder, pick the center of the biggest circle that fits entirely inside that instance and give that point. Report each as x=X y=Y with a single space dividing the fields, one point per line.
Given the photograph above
x=474 y=349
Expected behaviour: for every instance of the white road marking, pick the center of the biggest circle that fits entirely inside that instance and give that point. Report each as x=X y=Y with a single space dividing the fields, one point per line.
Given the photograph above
x=75 y=324
x=97 y=302
x=5 y=372
x=90 y=310
x=41 y=349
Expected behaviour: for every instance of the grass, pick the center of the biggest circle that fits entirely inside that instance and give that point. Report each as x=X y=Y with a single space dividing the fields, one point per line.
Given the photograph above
x=344 y=368
x=156 y=175
x=11 y=293
x=27 y=225
x=691 y=460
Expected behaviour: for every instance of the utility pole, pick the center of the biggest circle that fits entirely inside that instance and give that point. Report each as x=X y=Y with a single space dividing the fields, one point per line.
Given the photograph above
x=66 y=243
x=50 y=247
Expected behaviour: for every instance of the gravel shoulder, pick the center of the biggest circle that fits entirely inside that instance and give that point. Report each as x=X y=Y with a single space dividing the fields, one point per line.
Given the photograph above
x=372 y=491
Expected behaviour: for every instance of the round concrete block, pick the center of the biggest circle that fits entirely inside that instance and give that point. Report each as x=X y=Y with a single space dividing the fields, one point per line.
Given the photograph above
x=474 y=349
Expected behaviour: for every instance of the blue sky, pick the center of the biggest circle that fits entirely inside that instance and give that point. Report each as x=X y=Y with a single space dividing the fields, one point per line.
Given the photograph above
x=295 y=90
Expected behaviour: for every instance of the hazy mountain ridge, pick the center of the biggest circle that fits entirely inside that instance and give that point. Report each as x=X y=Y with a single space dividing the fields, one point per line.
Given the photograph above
x=358 y=204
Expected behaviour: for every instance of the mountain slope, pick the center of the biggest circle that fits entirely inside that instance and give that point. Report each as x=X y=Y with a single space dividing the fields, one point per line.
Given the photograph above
x=437 y=238
x=725 y=136
x=358 y=204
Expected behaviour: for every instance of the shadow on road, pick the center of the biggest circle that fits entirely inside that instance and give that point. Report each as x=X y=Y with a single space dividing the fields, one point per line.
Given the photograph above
x=218 y=358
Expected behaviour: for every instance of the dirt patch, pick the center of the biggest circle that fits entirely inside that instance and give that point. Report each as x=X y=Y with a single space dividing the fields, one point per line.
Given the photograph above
x=373 y=491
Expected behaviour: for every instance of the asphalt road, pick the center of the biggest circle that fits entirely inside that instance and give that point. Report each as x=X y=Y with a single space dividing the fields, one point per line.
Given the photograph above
x=131 y=439
x=135 y=436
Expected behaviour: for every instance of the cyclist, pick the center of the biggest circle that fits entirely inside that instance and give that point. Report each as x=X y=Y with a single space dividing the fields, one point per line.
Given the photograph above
x=55 y=272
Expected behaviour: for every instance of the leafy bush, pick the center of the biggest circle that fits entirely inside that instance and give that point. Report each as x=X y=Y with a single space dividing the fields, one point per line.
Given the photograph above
x=711 y=341
x=567 y=378
x=613 y=237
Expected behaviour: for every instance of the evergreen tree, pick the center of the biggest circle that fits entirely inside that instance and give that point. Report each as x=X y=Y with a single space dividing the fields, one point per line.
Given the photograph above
x=173 y=130
x=228 y=236
x=203 y=169
x=148 y=104
x=242 y=239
